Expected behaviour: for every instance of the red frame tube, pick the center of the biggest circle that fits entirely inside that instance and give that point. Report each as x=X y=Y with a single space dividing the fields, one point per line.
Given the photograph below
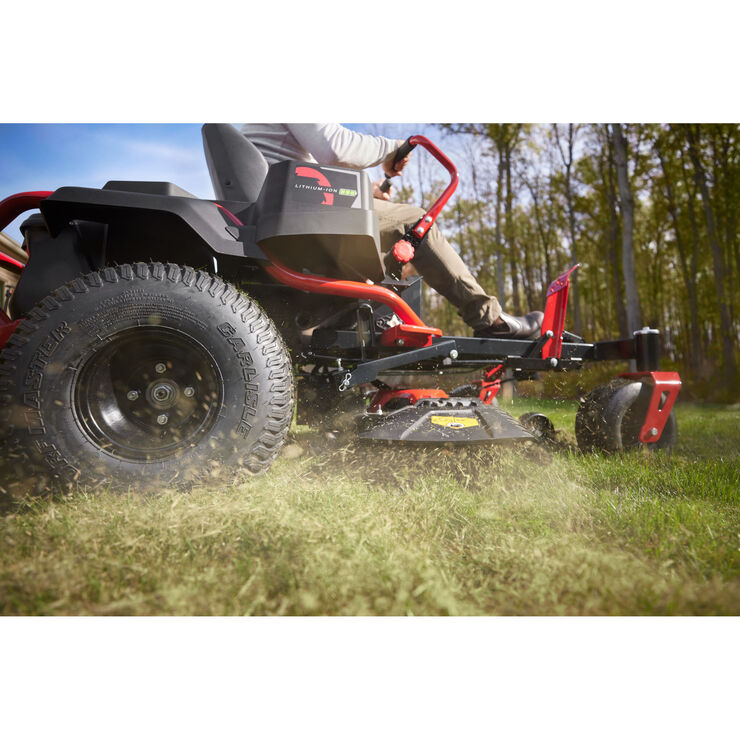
x=349 y=288
x=12 y=206
x=10 y=260
x=430 y=217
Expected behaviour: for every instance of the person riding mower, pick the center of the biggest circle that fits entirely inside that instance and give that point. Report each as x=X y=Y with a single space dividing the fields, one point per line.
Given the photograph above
x=333 y=145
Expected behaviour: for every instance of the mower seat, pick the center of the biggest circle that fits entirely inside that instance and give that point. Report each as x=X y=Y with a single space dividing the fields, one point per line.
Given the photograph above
x=237 y=168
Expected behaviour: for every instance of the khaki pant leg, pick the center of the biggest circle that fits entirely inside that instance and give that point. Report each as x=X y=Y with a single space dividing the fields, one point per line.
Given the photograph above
x=439 y=263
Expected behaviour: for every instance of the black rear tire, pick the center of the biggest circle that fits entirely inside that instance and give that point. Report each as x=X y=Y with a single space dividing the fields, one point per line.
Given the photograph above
x=610 y=417
x=143 y=375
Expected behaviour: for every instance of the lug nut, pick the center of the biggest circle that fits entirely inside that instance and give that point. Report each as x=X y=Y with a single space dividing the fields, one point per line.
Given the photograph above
x=132 y=395
x=453 y=354
x=400 y=342
x=162 y=419
x=188 y=391
x=160 y=367
x=654 y=432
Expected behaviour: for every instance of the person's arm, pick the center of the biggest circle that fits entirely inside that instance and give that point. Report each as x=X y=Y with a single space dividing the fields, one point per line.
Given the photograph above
x=333 y=144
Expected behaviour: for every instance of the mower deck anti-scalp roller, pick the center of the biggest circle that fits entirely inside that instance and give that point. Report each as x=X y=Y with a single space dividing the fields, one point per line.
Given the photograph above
x=158 y=338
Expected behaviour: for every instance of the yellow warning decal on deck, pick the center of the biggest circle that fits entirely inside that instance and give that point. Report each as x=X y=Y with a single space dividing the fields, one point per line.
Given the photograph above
x=455 y=422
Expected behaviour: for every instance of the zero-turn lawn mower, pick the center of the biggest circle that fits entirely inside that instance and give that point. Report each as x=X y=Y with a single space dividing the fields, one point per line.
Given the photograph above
x=157 y=338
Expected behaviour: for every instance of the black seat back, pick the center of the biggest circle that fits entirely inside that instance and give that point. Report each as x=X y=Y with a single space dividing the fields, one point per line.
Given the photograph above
x=236 y=166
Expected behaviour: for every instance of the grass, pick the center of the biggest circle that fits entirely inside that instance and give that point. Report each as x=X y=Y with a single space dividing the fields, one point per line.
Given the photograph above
x=343 y=530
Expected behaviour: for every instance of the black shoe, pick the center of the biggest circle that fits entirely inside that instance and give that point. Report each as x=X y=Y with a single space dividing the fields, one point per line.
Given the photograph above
x=513 y=327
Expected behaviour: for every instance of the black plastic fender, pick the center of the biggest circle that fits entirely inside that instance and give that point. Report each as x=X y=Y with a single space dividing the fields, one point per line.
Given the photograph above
x=155 y=225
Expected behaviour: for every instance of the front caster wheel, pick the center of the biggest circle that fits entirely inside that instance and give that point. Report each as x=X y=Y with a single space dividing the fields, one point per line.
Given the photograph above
x=610 y=417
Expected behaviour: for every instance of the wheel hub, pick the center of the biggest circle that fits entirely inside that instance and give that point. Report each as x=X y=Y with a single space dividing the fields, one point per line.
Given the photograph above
x=162 y=394
x=148 y=394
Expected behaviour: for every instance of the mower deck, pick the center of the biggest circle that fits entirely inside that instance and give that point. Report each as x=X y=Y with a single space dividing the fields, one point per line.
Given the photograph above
x=452 y=421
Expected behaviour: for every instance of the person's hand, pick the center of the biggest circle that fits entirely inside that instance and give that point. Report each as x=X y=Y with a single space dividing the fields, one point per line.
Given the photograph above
x=391 y=169
x=378 y=193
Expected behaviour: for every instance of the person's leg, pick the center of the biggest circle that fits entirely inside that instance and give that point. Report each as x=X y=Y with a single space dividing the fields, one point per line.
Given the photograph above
x=440 y=265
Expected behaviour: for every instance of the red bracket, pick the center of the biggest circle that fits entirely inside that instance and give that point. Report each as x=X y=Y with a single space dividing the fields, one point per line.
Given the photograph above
x=554 y=321
x=407 y=335
x=490 y=385
x=668 y=383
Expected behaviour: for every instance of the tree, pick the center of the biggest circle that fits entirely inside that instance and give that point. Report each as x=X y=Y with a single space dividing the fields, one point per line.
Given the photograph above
x=728 y=339
x=627 y=207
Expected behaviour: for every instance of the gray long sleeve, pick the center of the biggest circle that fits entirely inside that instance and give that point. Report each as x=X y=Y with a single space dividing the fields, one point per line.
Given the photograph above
x=323 y=143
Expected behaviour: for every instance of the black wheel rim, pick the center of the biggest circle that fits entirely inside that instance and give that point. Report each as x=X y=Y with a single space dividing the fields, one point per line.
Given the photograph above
x=148 y=394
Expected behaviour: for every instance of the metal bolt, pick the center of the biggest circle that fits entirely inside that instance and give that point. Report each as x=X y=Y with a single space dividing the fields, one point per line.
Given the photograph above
x=420 y=230
x=549 y=334
x=132 y=395
x=188 y=391
x=654 y=432
x=453 y=354
x=400 y=342
x=162 y=419
x=553 y=362
x=428 y=219
x=160 y=367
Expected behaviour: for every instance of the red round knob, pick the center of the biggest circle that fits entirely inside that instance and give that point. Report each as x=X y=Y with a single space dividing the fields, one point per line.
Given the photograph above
x=403 y=251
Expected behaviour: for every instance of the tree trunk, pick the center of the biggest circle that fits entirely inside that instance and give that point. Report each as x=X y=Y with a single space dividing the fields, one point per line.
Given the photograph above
x=613 y=243
x=694 y=249
x=727 y=338
x=533 y=190
x=689 y=279
x=634 y=312
x=730 y=231
x=516 y=302
x=499 y=250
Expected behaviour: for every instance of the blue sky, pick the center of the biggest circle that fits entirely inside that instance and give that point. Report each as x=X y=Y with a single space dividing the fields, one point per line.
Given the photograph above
x=47 y=156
